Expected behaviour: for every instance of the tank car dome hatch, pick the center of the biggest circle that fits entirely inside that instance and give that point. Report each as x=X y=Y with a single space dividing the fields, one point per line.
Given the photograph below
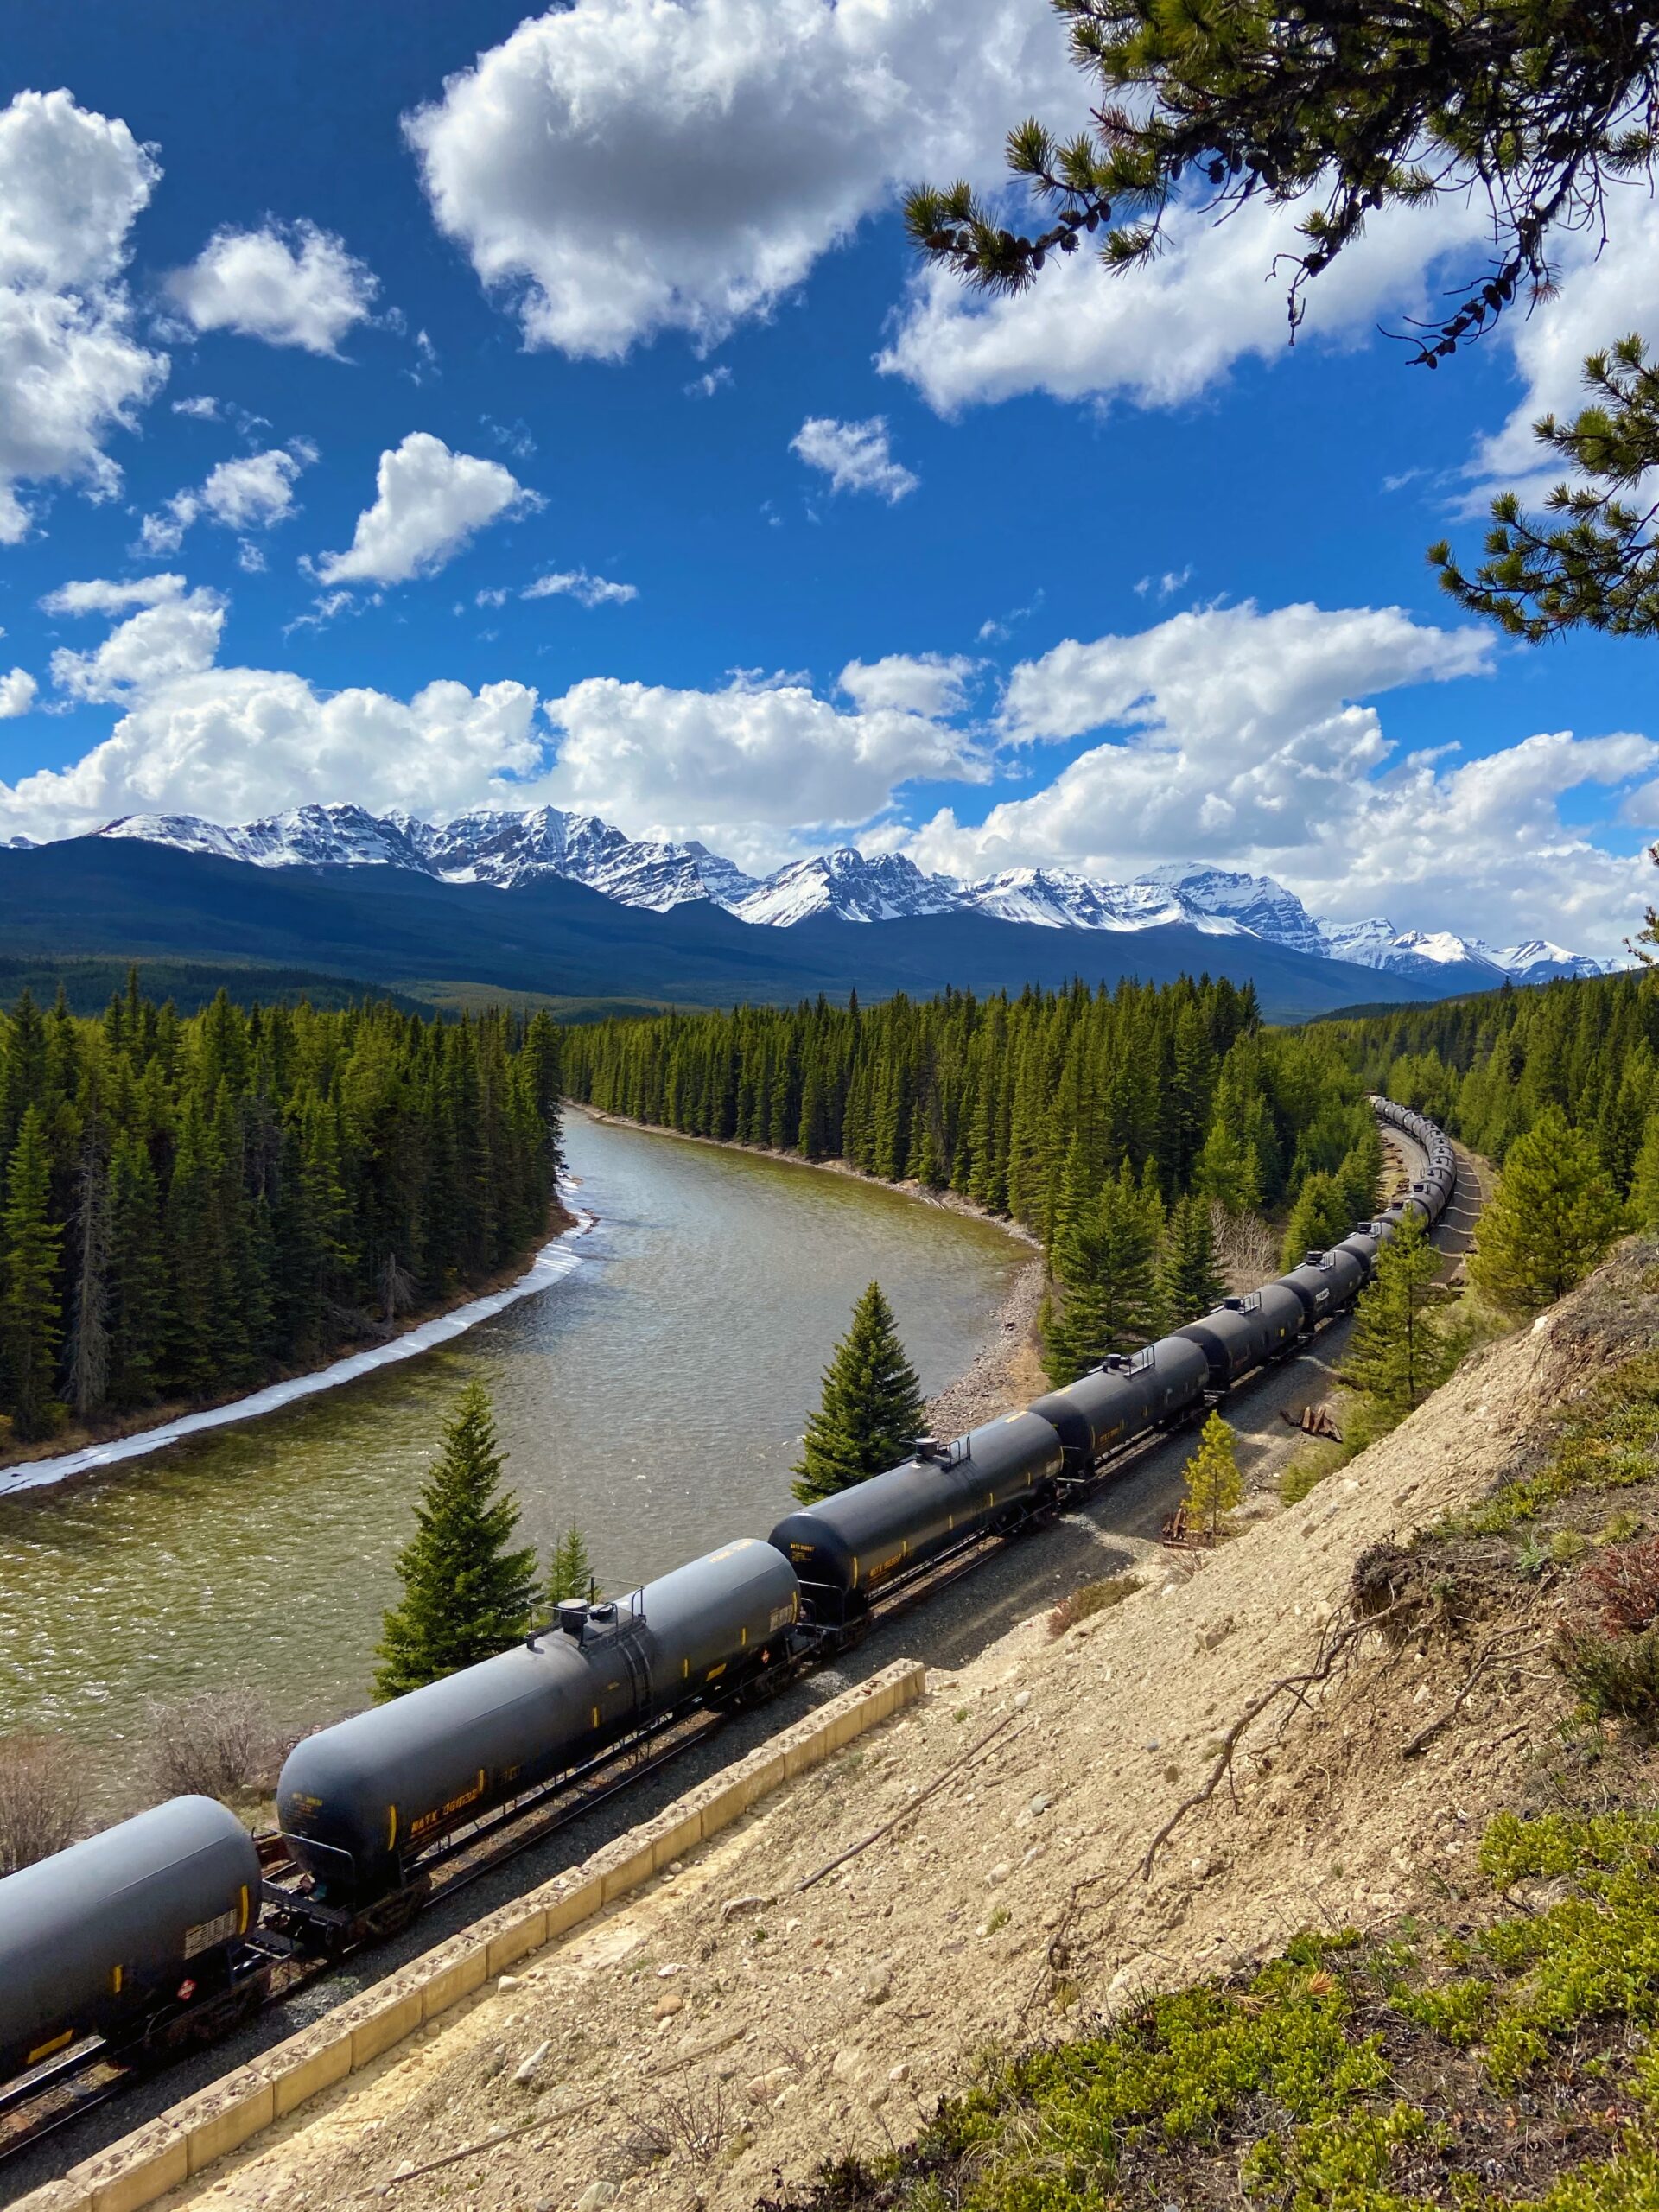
x=847 y=1546
x=94 y=1937
x=357 y=1801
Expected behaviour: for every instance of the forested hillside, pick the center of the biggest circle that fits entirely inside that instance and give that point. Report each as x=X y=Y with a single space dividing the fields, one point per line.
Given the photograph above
x=1122 y=1127
x=190 y=1205
x=1488 y=1068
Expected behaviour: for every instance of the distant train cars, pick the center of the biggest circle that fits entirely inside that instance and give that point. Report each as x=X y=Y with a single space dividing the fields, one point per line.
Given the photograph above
x=155 y=1927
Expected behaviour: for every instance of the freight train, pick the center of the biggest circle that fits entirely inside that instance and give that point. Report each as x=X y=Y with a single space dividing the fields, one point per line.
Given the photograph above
x=160 y=1929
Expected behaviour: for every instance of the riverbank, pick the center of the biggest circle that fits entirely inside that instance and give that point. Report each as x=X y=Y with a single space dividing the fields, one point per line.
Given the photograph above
x=1008 y=1370
x=39 y=1466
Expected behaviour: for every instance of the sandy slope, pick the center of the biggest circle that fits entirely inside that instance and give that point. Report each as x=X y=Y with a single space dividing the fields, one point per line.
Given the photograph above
x=750 y=2028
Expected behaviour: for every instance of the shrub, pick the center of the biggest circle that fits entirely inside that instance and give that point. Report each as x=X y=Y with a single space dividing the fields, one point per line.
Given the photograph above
x=40 y=1798
x=1617 y=1677
x=1621 y=1583
x=1093 y=1597
x=217 y=1743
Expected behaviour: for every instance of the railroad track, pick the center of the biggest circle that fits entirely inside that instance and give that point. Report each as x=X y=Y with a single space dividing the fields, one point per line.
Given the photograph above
x=70 y=2087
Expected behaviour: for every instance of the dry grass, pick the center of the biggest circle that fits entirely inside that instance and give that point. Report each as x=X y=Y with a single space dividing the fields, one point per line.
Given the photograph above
x=1092 y=1598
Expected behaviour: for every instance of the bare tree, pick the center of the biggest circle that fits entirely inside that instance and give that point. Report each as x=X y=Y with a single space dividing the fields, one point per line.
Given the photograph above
x=396 y=1289
x=40 y=1798
x=1246 y=1248
x=216 y=1744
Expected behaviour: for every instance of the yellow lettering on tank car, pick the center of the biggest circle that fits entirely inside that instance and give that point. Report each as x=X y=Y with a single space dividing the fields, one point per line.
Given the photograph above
x=45 y=2049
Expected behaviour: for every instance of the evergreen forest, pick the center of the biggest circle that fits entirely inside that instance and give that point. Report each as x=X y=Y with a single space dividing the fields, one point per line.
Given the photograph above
x=1489 y=1068
x=190 y=1206
x=1118 y=1125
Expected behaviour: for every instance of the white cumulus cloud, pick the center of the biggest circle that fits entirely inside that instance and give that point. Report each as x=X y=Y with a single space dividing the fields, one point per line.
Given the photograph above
x=175 y=637
x=100 y=596
x=1159 y=334
x=17 y=694
x=1246 y=738
x=289 y=284
x=72 y=372
x=745 y=766
x=855 y=456
x=935 y=684
x=577 y=584
x=429 y=503
x=619 y=167
x=255 y=491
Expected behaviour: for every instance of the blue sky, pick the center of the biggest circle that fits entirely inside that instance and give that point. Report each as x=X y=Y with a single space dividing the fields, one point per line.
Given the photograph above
x=612 y=307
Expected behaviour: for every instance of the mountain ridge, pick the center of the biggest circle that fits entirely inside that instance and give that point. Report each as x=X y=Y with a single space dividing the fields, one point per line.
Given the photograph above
x=410 y=929
x=502 y=850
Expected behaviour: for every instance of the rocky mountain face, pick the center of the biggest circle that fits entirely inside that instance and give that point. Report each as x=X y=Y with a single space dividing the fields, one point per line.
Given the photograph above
x=503 y=849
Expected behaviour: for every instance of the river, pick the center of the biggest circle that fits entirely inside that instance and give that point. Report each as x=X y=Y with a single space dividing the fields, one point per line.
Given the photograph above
x=654 y=1396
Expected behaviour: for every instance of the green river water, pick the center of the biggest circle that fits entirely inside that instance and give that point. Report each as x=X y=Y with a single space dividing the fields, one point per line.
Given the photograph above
x=654 y=1395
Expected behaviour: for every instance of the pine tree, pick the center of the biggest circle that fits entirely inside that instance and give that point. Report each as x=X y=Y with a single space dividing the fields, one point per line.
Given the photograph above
x=1554 y=1215
x=467 y=1591
x=1644 y=1179
x=570 y=1570
x=1398 y=1352
x=1214 y=1485
x=89 y=1334
x=140 y=1314
x=871 y=1411
x=30 y=1329
x=1106 y=1260
x=1189 y=1271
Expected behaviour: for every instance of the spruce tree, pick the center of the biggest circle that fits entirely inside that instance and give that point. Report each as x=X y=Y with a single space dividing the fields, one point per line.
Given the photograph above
x=1106 y=1260
x=570 y=1570
x=1553 y=1217
x=139 y=1310
x=467 y=1591
x=1190 y=1273
x=1398 y=1352
x=1214 y=1485
x=1320 y=1218
x=871 y=1411
x=1644 y=1179
x=30 y=1325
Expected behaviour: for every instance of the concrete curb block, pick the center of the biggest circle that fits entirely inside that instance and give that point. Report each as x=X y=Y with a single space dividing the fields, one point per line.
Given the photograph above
x=178 y=2145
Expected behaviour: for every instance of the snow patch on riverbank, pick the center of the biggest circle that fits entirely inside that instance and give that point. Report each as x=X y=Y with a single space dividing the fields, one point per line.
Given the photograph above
x=550 y=1264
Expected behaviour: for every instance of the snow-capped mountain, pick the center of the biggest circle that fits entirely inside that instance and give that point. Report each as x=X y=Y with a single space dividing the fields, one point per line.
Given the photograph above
x=502 y=850
x=1538 y=960
x=884 y=887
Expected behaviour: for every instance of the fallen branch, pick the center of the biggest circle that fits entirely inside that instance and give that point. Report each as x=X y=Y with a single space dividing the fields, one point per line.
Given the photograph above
x=551 y=2120
x=1425 y=1735
x=904 y=1812
x=1334 y=1643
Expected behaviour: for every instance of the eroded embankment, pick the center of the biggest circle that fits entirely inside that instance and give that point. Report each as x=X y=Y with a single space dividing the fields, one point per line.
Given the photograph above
x=730 y=2024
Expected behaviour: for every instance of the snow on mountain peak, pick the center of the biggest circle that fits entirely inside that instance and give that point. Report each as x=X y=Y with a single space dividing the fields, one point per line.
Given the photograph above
x=857 y=887
x=501 y=849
